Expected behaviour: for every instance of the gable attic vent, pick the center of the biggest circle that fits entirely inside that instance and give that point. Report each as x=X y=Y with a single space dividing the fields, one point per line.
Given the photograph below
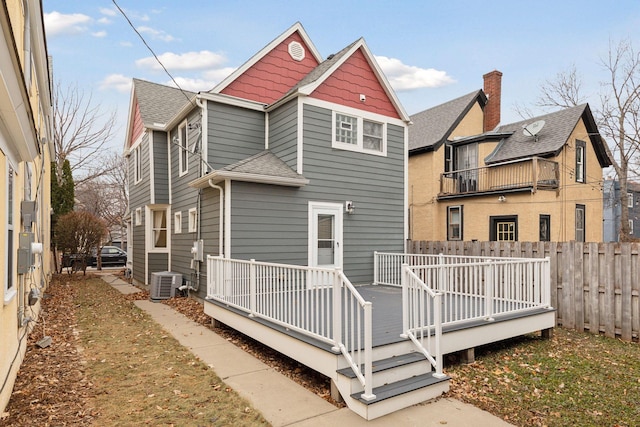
x=296 y=50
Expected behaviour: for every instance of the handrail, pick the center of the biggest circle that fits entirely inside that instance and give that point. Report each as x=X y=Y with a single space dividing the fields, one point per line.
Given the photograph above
x=422 y=318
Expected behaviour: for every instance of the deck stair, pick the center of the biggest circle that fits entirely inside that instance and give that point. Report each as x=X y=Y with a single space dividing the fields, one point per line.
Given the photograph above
x=399 y=381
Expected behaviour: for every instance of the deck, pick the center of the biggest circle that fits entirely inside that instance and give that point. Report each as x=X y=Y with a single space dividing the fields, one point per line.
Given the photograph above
x=383 y=349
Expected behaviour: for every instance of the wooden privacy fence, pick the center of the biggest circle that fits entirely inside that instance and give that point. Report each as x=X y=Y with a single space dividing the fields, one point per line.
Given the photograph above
x=594 y=286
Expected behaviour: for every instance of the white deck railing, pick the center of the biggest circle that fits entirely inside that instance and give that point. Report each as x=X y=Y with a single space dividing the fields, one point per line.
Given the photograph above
x=302 y=299
x=474 y=287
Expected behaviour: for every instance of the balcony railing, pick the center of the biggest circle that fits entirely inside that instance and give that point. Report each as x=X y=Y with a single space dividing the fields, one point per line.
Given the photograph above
x=532 y=173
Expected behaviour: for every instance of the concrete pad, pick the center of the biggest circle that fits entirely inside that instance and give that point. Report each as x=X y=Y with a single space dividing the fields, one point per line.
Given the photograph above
x=449 y=412
x=119 y=284
x=229 y=361
x=280 y=400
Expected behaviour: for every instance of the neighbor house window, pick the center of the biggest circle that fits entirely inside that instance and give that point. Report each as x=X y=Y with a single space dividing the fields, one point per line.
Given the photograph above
x=358 y=134
x=159 y=229
x=9 y=290
x=138 y=216
x=177 y=222
x=630 y=226
x=580 y=223
x=183 y=153
x=448 y=158
x=137 y=165
x=503 y=228
x=193 y=220
x=545 y=228
x=629 y=200
x=454 y=223
x=580 y=161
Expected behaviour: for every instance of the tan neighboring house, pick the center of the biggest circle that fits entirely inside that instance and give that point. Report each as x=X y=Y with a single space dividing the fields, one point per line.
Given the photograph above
x=473 y=179
x=25 y=158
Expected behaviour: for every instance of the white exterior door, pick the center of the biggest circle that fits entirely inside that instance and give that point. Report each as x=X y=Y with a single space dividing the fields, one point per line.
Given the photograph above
x=325 y=234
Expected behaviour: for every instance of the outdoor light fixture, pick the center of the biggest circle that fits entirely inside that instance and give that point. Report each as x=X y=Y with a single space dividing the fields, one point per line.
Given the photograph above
x=349 y=207
x=502 y=199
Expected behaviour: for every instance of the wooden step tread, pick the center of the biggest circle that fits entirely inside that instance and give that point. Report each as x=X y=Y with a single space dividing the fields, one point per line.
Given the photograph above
x=401 y=387
x=384 y=364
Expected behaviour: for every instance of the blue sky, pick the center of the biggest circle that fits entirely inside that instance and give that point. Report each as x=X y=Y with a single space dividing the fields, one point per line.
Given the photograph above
x=431 y=51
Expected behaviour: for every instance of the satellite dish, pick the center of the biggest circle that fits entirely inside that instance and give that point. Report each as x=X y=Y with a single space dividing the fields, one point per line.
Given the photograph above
x=533 y=129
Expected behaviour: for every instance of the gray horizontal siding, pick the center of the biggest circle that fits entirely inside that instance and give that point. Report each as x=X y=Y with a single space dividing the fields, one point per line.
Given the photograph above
x=140 y=193
x=234 y=134
x=160 y=167
x=157 y=262
x=137 y=254
x=283 y=133
x=269 y=223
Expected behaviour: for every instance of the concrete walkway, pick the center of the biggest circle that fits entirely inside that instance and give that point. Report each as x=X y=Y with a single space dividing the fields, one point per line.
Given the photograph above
x=282 y=401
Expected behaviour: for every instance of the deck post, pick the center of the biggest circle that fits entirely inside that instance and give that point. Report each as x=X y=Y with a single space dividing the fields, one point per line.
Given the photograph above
x=337 y=310
x=405 y=300
x=252 y=288
x=437 y=314
x=376 y=276
x=488 y=292
x=546 y=283
x=368 y=352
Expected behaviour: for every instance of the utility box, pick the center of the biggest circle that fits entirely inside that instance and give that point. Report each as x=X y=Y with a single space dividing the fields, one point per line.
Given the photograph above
x=25 y=255
x=28 y=211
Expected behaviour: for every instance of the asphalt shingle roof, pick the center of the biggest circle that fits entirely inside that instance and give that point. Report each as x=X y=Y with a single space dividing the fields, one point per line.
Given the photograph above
x=433 y=126
x=159 y=103
x=551 y=138
x=264 y=163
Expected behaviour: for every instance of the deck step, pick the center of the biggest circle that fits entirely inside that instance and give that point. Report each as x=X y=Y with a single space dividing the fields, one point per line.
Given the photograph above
x=401 y=387
x=386 y=364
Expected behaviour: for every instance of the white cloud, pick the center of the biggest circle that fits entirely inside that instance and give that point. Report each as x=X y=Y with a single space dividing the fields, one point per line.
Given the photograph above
x=104 y=20
x=193 y=85
x=99 y=34
x=116 y=81
x=108 y=11
x=407 y=77
x=218 y=74
x=156 y=34
x=185 y=61
x=59 y=23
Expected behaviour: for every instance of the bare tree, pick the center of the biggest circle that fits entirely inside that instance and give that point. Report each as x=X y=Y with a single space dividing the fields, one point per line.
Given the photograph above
x=80 y=131
x=618 y=114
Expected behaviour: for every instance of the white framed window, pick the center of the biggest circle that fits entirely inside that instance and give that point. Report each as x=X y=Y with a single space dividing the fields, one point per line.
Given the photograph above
x=629 y=200
x=193 y=220
x=159 y=238
x=580 y=223
x=177 y=222
x=9 y=287
x=454 y=223
x=580 y=161
x=138 y=216
x=183 y=147
x=630 y=226
x=137 y=165
x=361 y=134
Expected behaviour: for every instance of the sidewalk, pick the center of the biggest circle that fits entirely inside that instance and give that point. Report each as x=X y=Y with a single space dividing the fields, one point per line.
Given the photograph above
x=282 y=401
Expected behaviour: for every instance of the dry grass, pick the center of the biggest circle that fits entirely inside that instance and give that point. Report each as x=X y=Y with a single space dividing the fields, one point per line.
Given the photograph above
x=142 y=375
x=573 y=379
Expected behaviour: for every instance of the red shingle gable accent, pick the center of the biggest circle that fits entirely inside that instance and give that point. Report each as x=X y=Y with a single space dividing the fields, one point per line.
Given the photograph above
x=354 y=77
x=136 y=123
x=273 y=75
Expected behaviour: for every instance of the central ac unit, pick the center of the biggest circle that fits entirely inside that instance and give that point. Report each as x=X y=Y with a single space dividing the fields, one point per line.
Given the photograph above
x=164 y=285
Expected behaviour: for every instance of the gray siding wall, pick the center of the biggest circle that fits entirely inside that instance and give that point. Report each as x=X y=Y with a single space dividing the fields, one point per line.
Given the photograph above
x=157 y=262
x=160 y=167
x=283 y=133
x=270 y=222
x=234 y=134
x=139 y=197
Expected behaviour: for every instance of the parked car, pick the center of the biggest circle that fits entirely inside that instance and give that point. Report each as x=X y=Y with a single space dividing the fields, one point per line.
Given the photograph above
x=111 y=256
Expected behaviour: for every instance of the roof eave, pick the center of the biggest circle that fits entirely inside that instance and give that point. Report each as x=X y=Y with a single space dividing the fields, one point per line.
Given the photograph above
x=219 y=175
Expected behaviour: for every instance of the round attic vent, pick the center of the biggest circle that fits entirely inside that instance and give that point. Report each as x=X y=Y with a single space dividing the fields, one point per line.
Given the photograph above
x=296 y=50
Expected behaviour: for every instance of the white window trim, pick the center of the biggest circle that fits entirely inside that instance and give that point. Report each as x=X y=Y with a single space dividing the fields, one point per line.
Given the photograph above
x=629 y=200
x=9 y=293
x=138 y=216
x=316 y=208
x=630 y=226
x=149 y=210
x=177 y=222
x=358 y=147
x=183 y=148
x=193 y=220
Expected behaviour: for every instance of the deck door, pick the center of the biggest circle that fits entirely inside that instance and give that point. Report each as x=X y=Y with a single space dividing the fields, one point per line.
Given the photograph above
x=325 y=234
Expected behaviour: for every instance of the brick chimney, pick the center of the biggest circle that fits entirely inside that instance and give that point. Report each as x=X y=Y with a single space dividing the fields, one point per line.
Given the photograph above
x=493 y=90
